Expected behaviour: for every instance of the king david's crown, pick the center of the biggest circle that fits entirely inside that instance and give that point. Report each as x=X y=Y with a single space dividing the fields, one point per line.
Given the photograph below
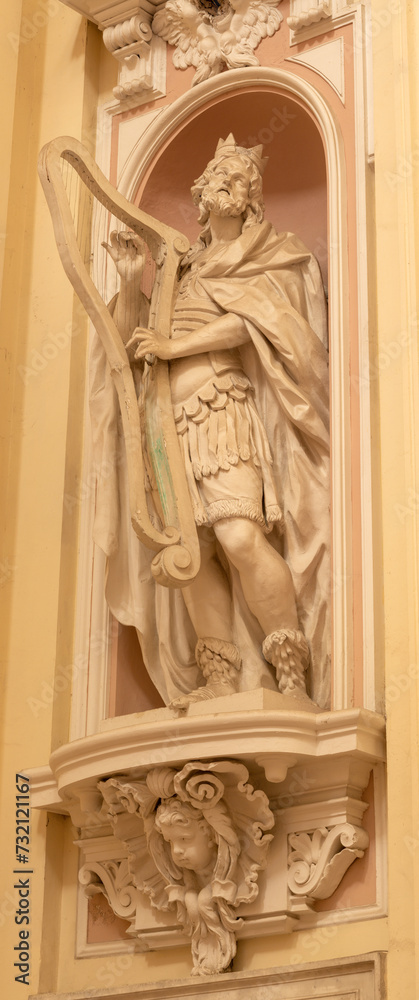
x=228 y=147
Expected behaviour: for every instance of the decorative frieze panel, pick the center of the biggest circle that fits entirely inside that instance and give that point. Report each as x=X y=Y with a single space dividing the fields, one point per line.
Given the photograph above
x=209 y=36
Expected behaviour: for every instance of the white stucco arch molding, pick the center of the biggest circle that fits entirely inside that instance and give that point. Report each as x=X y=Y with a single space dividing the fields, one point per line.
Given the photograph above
x=157 y=136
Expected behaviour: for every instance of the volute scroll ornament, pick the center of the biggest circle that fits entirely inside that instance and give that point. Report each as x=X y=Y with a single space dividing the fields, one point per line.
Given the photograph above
x=318 y=861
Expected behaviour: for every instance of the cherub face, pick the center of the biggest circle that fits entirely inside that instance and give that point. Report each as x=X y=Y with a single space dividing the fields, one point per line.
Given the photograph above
x=191 y=844
x=227 y=191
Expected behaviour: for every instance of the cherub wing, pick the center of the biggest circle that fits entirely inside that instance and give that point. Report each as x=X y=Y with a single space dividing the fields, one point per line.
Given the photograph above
x=261 y=19
x=181 y=24
x=196 y=42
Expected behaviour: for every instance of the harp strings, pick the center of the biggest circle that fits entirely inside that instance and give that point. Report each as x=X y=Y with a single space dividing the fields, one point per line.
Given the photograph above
x=93 y=225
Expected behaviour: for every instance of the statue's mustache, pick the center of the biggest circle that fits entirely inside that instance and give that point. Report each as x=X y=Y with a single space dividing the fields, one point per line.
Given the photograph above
x=221 y=199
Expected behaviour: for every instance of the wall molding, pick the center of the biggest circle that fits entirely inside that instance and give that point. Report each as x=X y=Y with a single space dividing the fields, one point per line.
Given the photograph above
x=360 y=977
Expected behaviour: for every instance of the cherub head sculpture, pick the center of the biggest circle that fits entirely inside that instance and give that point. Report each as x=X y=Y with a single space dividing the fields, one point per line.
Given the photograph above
x=205 y=830
x=192 y=840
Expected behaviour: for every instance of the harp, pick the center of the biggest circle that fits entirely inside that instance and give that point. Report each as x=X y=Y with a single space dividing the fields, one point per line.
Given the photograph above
x=175 y=539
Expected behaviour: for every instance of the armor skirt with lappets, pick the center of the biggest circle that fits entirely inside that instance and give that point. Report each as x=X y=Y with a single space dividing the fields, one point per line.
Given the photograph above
x=223 y=442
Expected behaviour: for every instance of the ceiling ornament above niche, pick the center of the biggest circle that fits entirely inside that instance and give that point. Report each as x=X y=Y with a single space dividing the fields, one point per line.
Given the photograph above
x=211 y=35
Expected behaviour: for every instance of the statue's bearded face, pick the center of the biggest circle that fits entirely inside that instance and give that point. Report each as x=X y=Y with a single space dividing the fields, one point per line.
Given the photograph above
x=227 y=189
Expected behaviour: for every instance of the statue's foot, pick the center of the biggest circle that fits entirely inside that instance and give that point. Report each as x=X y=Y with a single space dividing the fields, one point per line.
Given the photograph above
x=288 y=651
x=220 y=663
x=205 y=693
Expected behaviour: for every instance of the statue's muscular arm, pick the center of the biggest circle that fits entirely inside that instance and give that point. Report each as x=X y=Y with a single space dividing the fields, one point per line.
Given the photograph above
x=223 y=333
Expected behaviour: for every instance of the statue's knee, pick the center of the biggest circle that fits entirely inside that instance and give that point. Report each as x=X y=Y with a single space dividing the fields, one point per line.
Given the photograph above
x=238 y=538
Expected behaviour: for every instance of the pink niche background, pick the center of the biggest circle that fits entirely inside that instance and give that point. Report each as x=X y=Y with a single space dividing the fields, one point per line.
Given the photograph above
x=295 y=182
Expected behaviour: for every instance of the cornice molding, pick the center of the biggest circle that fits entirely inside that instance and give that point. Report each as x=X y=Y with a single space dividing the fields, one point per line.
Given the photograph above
x=275 y=738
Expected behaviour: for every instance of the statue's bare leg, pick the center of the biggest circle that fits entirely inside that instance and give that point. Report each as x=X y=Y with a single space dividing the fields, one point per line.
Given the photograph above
x=208 y=598
x=264 y=575
x=209 y=605
x=269 y=593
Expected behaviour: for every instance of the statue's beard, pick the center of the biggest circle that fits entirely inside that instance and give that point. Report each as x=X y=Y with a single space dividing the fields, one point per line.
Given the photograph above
x=222 y=203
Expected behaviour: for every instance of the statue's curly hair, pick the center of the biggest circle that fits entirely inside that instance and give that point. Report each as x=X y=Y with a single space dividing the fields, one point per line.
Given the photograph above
x=175 y=811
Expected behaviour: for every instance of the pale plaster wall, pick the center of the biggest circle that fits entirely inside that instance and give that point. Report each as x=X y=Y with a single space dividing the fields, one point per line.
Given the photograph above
x=396 y=82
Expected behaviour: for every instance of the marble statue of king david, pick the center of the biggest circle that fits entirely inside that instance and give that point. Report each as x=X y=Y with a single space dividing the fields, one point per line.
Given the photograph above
x=249 y=390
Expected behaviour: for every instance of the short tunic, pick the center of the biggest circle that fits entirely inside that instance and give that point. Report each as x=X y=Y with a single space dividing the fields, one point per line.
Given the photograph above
x=225 y=448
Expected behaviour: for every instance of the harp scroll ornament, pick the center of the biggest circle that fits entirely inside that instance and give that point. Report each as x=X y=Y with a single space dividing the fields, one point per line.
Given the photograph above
x=175 y=543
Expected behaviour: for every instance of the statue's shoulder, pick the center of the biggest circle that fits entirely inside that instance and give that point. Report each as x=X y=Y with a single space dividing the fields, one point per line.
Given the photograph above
x=287 y=248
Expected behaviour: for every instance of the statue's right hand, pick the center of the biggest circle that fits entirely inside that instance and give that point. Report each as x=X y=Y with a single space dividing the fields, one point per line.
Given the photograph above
x=145 y=342
x=128 y=254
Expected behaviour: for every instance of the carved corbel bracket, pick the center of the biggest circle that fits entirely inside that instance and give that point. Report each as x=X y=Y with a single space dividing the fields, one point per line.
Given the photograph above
x=193 y=840
x=320 y=812
x=141 y=57
x=318 y=861
x=310 y=770
x=114 y=880
x=306 y=16
x=306 y=12
x=128 y=35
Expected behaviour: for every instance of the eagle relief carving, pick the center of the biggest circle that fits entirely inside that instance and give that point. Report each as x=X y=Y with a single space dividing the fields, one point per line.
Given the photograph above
x=213 y=35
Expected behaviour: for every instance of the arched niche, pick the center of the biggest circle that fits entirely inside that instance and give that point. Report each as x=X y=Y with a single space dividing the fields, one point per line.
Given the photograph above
x=295 y=181
x=305 y=192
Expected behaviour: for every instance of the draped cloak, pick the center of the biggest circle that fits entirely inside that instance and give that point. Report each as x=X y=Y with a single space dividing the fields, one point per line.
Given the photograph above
x=273 y=282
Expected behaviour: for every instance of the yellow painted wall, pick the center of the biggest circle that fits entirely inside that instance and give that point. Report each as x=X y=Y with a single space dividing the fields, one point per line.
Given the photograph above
x=43 y=366
x=396 y=89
